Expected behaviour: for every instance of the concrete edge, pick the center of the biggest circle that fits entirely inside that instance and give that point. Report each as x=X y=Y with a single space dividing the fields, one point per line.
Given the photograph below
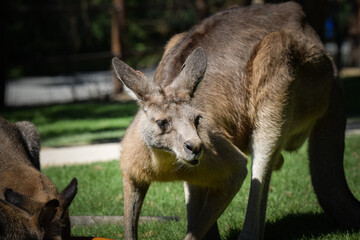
x=93 y=220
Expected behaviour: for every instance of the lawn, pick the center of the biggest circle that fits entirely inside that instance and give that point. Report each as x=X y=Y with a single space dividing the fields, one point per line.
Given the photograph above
x=77 y=123
x=293 y=211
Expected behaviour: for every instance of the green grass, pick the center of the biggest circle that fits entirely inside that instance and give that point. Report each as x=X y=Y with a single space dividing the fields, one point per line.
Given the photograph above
x=292 y=213
x=77 y=123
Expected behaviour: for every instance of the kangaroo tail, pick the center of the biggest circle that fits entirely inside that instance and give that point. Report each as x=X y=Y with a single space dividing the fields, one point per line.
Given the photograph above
x=326 y=149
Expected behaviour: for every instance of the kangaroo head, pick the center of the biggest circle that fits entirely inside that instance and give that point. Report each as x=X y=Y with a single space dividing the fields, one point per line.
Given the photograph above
x=59 y=226
x=49 y=219
x=170 y=122
x=19 y=223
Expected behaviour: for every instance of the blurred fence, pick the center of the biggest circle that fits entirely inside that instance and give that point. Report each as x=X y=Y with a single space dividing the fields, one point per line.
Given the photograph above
x=30 y=91
x=59 y=89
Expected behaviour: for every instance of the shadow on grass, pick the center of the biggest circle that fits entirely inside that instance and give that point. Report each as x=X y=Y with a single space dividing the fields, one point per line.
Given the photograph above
x=298 y=226
x=107 y=140
x=71 y=111
x=86 y=122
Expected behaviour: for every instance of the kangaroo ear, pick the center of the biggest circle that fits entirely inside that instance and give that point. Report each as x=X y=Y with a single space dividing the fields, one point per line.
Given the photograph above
x=190 y=75
x=14 y=198
x=21 y=201
x=136 y=83
x=68 y=194
x=48 y=212
x=31 y=138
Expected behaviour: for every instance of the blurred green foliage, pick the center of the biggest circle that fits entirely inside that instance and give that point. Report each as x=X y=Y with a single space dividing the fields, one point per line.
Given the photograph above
x=43 y=36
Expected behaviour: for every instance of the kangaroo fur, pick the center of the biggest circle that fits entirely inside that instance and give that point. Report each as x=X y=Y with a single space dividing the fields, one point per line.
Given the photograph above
x=31 y=208
x=247 y=80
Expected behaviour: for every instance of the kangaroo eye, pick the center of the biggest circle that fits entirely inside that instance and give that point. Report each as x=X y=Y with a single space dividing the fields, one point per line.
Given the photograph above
x=163 y=124
x=197 y=120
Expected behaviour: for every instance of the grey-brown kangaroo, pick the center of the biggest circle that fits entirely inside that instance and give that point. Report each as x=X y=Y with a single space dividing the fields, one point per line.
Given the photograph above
x=31 y=208
x=246 y=80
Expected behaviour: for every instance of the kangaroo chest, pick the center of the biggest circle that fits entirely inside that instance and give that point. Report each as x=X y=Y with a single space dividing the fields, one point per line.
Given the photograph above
x=164 y=165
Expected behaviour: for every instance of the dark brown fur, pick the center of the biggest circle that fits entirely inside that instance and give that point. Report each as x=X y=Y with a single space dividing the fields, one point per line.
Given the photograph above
x=30 y=202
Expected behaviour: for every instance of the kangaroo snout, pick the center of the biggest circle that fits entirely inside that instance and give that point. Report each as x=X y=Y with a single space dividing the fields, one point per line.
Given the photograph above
x=194 y=149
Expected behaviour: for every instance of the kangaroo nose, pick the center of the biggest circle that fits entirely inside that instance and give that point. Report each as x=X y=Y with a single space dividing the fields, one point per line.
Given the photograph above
x=192 y=147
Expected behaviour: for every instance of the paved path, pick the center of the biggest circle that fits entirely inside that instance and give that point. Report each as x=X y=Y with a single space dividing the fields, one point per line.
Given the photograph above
x=93 y=220
x=79 y=154
x=353 y=128
x=61 y=156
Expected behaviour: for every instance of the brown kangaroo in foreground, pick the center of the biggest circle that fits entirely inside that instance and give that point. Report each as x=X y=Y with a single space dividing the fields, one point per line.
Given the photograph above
x=30 y=206
x=245 y=80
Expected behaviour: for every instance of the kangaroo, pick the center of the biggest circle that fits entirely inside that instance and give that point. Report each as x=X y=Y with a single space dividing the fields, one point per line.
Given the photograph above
x=31 y=208
x=251 y=80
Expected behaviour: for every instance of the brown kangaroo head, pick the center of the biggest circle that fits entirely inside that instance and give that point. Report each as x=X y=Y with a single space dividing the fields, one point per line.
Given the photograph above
x=26 y=218
x=59 y=226
x=169 y=122
x=19 y=223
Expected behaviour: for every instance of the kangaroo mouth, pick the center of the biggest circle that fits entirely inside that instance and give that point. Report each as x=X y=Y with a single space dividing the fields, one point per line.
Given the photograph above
x=194 y=162
x=191 y=163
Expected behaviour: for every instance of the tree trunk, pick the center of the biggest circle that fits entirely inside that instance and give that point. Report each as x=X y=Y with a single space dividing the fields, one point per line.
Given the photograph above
x=200 y=10
x=3 y=57
x=117 y=33
x=354 y=34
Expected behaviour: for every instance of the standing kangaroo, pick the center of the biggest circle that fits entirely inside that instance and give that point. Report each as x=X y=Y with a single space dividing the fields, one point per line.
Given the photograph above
x=31 y=208
x=246 y=80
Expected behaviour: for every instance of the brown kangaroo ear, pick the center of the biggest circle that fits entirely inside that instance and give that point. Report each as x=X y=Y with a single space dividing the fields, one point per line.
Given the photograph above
x=68 y=194
x=31 y=138
x=21 y=201
x=192 y=72
x=15 y=198
x=48 y=212
x=136 y=83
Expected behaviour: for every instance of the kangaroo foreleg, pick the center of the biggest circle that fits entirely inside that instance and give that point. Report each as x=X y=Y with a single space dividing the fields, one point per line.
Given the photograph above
x=134 y=194
x=195 y=197
x=205 y=205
